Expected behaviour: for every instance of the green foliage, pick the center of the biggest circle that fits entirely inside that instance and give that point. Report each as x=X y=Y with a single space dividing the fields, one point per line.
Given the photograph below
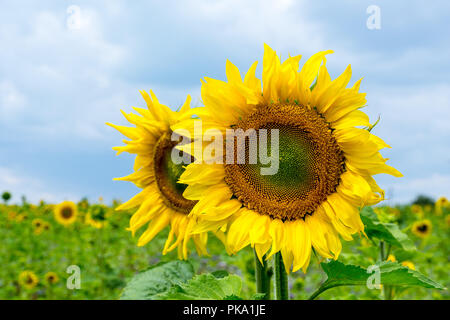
x=391 y=274
x=206 y=287
x=6 y=196
x=388 y=232
x=423 y=200
x=157 y=280
x=109 y=258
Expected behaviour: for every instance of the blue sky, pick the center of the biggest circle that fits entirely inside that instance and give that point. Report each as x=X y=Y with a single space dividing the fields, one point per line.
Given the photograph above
x=59 y=85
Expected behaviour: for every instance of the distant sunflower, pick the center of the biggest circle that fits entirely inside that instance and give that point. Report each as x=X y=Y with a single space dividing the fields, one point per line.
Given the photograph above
x=325 y=163
x=46 y=226
x=12 y=215
x=441 y=204
x=409 y=264
x=422 y=228
x=37 y=223
x=51 y=278
x=161 y=202
x=98 y=224
x=28 y=279
x=417 y=210
x=391 y=258
x=66 y=213
x=21 y=217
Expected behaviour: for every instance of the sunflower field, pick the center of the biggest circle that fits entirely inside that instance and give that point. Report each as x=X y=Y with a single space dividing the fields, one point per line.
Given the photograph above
x=38 y=246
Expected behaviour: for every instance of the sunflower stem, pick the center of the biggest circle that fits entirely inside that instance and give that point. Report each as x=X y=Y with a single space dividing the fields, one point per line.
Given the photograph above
x=382 y=257
x=262 y=276
x=387 y=290
x=280 y=279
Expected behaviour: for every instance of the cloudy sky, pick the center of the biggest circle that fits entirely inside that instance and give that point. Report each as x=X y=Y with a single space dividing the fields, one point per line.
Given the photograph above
x=62 y=78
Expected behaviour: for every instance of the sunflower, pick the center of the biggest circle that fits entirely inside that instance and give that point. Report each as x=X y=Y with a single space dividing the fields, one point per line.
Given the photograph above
x=160 y=202
x=12 y=215
x=66 y=213
x=441 y=203
x=46 y=226
x=21 y=217
x=37 y=223
x=391 y=258
x=28 y=279
x=325 y=168
x=51 y=278
x=422 y=228
x=417 y=210
x=409 y=264
x=98 y=224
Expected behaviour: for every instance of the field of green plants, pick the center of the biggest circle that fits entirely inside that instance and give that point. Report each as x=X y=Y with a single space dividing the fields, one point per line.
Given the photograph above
x=36 y=251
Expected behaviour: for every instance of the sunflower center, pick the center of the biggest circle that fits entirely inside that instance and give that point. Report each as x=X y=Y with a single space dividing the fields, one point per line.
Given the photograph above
x=66 y=212
x=167 y=174
x=310 y=163
x=423 y=228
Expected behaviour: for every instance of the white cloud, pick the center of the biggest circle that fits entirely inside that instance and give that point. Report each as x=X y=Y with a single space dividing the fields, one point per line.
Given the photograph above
x=12 y=101
x=284 y=25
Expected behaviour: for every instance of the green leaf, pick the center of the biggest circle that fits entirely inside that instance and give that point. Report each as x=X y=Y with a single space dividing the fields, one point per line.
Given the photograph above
x=258 y=296
x=206 y=287
x=391 y=274
x=388 y=232
x=220 y=273
x=157 y=279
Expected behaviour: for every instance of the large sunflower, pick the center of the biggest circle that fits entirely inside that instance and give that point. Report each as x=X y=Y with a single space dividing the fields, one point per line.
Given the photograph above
x=327 y=157
x=160 y=202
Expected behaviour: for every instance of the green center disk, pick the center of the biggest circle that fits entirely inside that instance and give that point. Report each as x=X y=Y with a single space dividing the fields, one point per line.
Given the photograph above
x=172 y=172
x=296 y=161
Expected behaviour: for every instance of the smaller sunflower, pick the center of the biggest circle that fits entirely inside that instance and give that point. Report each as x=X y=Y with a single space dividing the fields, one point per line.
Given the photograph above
x=21 y=217
x=409 y=264
x=391 y=258
x=98 y=224
x=66 y=213
x=51 y=278
x=441 y=204
x=422 y=228
x=37 y=223
x=395 y=212
x=12 y=215
x=417 y=210
x=28 y=279
x=45 y=226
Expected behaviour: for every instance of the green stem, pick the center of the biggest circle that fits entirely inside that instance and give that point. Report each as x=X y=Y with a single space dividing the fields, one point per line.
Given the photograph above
x=262 y=276
x=281 y=278
x=323 y=288
x=388 y=250
x=387 y=290
x=382 y=257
